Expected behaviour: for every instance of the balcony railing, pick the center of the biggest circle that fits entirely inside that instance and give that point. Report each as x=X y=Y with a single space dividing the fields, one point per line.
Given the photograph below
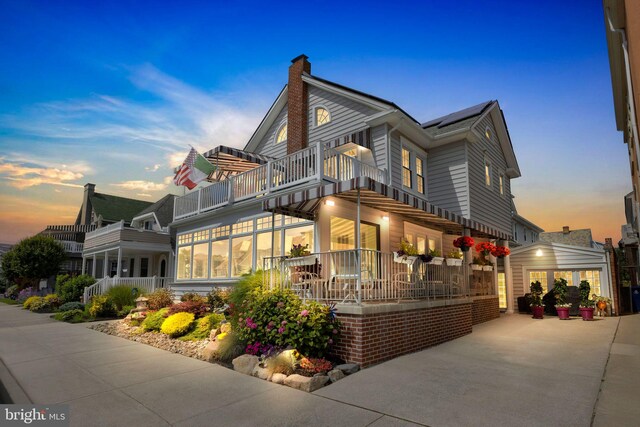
x=357 y=276
x=105 y=230
x=72 y=247
x=314 y=163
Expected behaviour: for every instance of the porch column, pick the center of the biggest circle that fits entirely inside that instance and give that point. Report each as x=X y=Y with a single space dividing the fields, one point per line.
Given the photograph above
x=105 y=268
x=84 y=264
x=93 y=266
x=358 y=252
x=467 y=258
x=119 y=261
x=508 y=279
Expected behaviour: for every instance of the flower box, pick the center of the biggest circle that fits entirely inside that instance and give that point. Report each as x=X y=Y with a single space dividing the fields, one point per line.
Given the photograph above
x=301 y=260
x=487 y=267
x=476 y=267
x=404 y=259
x=436 y=260
x=456 y=262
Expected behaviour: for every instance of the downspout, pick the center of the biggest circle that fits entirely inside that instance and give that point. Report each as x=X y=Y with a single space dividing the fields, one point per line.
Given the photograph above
x=389 y=146
x=614 y=297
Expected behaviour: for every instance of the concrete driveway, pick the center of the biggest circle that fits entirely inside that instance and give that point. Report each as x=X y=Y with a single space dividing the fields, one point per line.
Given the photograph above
x=510 y=371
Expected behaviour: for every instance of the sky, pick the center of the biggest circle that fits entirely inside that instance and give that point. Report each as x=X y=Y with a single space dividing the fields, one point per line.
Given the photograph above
x=113 y=93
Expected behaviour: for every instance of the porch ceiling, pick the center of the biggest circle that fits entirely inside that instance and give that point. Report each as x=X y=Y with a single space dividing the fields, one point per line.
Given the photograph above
x=305 y=203
x=232 y=161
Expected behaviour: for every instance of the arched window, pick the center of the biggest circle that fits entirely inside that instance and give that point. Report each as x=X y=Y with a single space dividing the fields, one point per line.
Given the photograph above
x=322 y=116
x=487 y=133
x=281 y=135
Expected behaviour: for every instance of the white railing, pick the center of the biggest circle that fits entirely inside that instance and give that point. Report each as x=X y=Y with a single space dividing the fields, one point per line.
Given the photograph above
x=357 y=276
x=72 y=247
x=105 y=230
x=312 y=163
x=146 y=284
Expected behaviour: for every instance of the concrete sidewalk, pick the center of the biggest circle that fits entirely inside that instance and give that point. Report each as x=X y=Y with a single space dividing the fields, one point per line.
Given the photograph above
x=511 y=371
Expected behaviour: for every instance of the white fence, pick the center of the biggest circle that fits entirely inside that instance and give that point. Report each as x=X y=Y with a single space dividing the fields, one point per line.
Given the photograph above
x=146 y=284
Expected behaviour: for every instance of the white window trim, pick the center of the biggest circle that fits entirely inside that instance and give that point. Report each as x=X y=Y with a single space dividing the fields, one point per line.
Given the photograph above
x=487 y=162
x=501 y=179
x=275 y=137
x=487 y=130
x=315 y=116
x=424 y=175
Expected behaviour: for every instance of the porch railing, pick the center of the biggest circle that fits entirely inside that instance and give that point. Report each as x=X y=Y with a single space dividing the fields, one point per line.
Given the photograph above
x=72 y=247
x=146 y=284
x=357 y=276
x=313 y=163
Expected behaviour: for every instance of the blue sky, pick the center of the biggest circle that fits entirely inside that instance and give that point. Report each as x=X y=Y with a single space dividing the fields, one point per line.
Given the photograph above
x=113 y=93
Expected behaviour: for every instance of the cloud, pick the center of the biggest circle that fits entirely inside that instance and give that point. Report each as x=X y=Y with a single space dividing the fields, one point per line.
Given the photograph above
x=141 y=185
x=153 y=168
x=22 y=175
x=143 y=195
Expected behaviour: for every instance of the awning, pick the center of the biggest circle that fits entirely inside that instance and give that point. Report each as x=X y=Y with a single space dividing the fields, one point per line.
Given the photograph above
x=232 y=161
x=305 y=203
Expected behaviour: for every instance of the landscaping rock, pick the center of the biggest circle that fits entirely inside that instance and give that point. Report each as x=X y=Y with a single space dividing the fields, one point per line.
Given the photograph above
x=307 y=384
x=278 y=378
x=348 y=368
x=213 y=334
x=245 y=363
x=208 y=353
x=260 y=372
x=335 y=375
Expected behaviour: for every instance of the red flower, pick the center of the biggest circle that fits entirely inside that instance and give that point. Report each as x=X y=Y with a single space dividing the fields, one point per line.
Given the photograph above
x=485 y=247
x=500 y=251
x=463 y=242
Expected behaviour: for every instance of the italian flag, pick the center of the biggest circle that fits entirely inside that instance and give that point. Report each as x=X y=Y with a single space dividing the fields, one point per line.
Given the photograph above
x=194 y=169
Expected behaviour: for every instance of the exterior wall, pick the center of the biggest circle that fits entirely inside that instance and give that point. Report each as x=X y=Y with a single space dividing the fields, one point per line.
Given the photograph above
x=399 y=141
x=632 y=17
x=267 y=145
x=487 y=205
x=379 y=147
x=368 y=339
x=128 y=235
x=484 y=309
x=524 y=235
x=447 y=178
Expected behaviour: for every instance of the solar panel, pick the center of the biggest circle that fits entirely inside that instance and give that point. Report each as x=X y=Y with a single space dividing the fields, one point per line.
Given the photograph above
x=458 y=115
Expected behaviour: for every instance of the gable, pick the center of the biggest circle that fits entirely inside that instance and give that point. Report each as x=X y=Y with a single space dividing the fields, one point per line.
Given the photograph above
x=115 y=208
x=494 y=119
x=266 y=146
x=556 y=255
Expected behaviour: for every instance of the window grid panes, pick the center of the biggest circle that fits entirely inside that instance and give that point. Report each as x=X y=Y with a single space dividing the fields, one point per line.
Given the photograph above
x=282 y=134
x=243 y=227
x=406 y=168
x=501 y=183
x=185 y=238
x=540 y=276
x=487 y=173
x=420 y=174
x=322 y=116
x=593 y=277
x=201 y=235
x=502 y=291
x=566 y=275
x=219 y=232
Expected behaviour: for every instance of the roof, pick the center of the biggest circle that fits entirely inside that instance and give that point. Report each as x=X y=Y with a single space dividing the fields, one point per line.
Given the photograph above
x=231 y=161
x=457 y=120
x=581 y=237
x=116 y=208
x=524 y=221
x=163 y=209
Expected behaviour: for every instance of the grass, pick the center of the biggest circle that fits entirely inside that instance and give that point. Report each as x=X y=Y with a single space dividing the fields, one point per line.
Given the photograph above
x=9 y=301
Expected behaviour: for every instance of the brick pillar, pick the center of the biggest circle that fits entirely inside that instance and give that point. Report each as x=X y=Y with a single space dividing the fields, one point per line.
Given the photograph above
x=613 y=266
x=297 y=105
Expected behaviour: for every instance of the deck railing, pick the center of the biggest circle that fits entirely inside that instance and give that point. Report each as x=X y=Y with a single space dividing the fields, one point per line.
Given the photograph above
x=105 y=230
x=72 y=247
x=146 y=284
x=313 y=163
x=357 y=276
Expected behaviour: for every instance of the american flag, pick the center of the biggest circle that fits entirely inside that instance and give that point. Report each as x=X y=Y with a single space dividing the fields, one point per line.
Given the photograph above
x=183 y=175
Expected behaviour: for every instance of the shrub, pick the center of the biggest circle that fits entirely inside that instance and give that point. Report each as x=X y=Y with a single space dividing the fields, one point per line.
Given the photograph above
x=284 y=362
x=585 y=289
x=60 y=280
x=192 y=296
x=160 y=298
x=30 y=301
x=123 y=295
x=204 y=326
x=218 y=298
x=102 y=306
x=125 y=310
x=153 y=321
x=12 y=292
x=32 y=259
x=68 y=306
x=560 y=289
x=240 y=294
x=197 y=308
x=315 y=366
x=73 y=289
x=26 y=293
x=229 y=347
x=177 y=324
x=71 y=316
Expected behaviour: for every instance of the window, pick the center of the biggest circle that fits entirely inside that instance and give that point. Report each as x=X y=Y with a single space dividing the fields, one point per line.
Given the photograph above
x=220 y=258
x=487 y=172
x=243 y=227
x=487 y=133
x=201 y=235
x=144 y=267
x=298 y=236
x=200 y=261
x=322 y=116
x=502 y=291
x=241 y=255
x=282 y=134
x=406 y=168
x=593 y=277
x=501 y=184
x=148 y=225
x=219 y=232
x=263 y=247
x=420 y=174
x=566 y=275
x=185 y=238
x=540 y=276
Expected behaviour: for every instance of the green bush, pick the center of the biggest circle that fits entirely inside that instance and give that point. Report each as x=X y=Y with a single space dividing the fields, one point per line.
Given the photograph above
x=44 y=304
x=125 y=310
x=12 y=292
x=68 y=306
x=204 y=326
x=154 y=320
x=71 y=316
x=30 y=301
x=160 y=298
x=73 y=288
x=241 y=291
x=218 y=298
x=123 y=295
x=60 y=280
x=102 y=306
x=192 y=296
x=177 y=324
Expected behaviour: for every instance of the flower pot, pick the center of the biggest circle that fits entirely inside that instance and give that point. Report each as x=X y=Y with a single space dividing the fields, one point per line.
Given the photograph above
x=454 y=262
x=586 y=313
x=487 y=267
x=538 y=311
x=476 y=267
x=436 y=260
x=563 y=313
x=464 y=248
x=404 y=259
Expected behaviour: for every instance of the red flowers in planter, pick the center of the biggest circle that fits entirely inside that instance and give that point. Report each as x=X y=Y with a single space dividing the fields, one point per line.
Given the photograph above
x=500 y=251
x=464 y=242
x=485 y=247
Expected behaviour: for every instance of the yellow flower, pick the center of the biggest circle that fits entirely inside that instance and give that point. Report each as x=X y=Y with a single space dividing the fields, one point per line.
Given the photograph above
x=221 y=336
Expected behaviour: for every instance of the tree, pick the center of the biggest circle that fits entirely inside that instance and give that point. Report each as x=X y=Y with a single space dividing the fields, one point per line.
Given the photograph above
x=32 y=259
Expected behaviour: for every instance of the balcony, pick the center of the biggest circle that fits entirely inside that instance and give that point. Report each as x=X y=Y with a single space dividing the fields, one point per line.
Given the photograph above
x=118 y=233
x=313 y=164
x=71 y=247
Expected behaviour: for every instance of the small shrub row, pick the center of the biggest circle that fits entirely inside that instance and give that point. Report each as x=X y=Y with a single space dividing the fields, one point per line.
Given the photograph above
x=72 y=288
x=177 y=324
x=198 y=308
x=44 y=304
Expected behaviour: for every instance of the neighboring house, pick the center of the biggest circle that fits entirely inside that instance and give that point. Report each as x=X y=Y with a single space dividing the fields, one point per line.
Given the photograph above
x=350 y=175
x=622 y=24
x=137 y=246
x=581 y=237
x=524 y=231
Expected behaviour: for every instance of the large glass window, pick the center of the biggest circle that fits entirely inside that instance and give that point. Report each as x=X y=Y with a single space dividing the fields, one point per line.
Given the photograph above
x=343 y=234
x=406 y=168
x=540 y=276
x=241 y=255
x=298 y=236
x=502 y=291
x=184 y=262
x=200 y=261
x=220 y=258
x=566 y=275
x=420 y=174
x=263 y=247
x=593 y=277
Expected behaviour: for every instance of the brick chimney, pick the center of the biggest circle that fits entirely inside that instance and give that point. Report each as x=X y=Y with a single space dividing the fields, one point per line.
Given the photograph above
x=85 y=216
x=565 y=229
x=297 y=105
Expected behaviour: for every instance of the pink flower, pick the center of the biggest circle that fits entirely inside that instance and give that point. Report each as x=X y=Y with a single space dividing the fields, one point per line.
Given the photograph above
x=281 y=330
x=304 y=313
x=330 y=341
x=335 y=331
x=284 y=322
x=280 y=304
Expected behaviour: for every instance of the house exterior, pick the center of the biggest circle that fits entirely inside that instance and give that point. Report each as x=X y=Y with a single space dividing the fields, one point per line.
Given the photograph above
x=524 y=231
x=350 y=175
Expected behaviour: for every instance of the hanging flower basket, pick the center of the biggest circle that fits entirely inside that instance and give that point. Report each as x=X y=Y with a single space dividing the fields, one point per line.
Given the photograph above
x=487 y=267
x=500 y=251
x=404 y=259
x=437 y=260
x=454 y=262
x=476 y=267
x=463 y=243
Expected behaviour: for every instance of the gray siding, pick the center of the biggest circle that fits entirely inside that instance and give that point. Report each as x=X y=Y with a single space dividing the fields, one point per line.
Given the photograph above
x=267 y=145
x=379 y=146
x=396 y=161
x=487 y=206
x=447 y=185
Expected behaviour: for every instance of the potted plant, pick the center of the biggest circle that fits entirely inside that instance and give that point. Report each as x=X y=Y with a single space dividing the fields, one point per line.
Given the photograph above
x=601 y=304
x=436 y=257
x=560 y=289
x=463 y=243
x=454 y=258
x=586 y=305
x=477 y=263
x=537 y=307
x=484 y=249
x=500 y=251
x=407 y=254
x=300 y=260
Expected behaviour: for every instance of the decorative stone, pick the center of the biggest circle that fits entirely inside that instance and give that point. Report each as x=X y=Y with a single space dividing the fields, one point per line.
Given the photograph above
x=213 y=334
x=260 y=372
x=307 y=384
x=348 y=368
x=142 y=302
x=225 y=327
x=208 y=353
x=245 y=363
x=335 y=375
x=278 y=378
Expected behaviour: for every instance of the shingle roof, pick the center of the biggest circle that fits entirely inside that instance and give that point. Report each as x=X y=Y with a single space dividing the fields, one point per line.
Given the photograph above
x=116 y=208
x=163 y=209
x=457 y=120
x=573 y=237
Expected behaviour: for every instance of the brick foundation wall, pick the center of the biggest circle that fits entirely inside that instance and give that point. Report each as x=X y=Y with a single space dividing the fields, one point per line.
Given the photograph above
x=368 y=339
x=485 y=309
